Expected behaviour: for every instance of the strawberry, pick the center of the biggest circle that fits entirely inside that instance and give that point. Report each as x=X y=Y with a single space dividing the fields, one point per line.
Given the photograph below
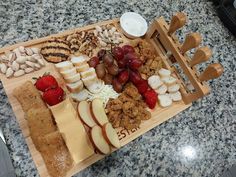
x=142 y=86
x=53 y=96
x=150 y=98
x=46 y=82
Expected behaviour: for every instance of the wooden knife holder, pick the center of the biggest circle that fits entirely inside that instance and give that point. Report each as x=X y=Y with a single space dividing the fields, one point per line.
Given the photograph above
x=165 y=43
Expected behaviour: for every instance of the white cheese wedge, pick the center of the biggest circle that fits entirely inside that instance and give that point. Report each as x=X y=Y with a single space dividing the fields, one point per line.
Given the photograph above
x=81 y=96
x=72 y=130
x=169 y=80
x=75 y=87
x=78 y=61
x=173 y=88
x=65 y=65
x=82 y=68
x=73 y=78
x=164 y=100
x=175 y=96
x=87 y=73
x=161 y=90
x=154 y=81
x=164 y=72
x=68 y=73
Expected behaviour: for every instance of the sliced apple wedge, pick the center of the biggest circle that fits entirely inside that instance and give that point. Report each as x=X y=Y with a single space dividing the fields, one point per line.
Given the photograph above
x=110 y=135
x=99 y=141
x=98 y=112
x=85 y=114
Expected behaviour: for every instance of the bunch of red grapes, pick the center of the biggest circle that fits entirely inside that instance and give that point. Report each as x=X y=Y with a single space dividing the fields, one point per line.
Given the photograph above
x=125 y=69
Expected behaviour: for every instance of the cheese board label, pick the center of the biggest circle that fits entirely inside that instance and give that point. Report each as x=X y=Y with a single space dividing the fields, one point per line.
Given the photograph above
x=82 y=94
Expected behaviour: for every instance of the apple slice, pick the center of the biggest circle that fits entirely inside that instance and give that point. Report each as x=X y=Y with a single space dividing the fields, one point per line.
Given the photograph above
x=98 y=112
x=110 y=135
x=85 y=114
x=99 y=141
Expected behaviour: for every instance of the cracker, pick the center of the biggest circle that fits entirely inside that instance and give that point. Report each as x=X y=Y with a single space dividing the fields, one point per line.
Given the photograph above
x=28 y=96
x=40 y=122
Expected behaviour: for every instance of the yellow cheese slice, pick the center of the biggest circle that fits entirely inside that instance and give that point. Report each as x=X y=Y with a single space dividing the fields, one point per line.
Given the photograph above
x=72 y=130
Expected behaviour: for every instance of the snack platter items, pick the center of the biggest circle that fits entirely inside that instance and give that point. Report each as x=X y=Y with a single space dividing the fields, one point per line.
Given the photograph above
x=104 y=100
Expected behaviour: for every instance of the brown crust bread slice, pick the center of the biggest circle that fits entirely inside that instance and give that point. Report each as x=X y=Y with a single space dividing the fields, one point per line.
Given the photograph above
x=28 y=96
x=40 y=122
x=55 y=154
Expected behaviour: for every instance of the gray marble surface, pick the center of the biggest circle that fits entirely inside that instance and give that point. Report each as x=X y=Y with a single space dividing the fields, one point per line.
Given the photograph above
x=200 y=141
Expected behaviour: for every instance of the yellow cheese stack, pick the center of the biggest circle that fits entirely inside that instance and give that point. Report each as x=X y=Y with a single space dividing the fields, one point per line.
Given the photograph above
x=72 y=130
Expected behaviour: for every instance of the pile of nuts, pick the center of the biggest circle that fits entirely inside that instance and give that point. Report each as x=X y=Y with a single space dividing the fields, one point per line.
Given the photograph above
x=83 y=42
x=107 y=34
x=151 y=62
x=128 y=110
x=21 y=61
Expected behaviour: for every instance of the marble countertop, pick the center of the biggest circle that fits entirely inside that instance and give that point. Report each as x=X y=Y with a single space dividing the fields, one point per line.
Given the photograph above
x=200 y=141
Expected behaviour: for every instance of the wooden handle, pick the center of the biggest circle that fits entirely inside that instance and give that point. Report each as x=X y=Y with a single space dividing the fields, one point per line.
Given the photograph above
x=211 y=72
x=177 y=21
x=201 y=55
x=191 y=41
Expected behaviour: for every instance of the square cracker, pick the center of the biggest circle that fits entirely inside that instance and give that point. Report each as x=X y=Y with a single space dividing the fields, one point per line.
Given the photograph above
x=28 y=96
x=40 y=123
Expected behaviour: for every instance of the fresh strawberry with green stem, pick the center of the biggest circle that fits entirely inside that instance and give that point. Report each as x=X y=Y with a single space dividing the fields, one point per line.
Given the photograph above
x=150 y=98
x=46 y=82
x=53 y=96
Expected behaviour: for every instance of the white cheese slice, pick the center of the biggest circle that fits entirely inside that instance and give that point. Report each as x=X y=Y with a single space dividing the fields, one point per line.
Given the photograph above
x=154 y=81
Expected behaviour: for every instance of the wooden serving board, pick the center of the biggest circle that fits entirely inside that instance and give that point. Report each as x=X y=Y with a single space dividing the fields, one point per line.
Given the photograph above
x=159 y=115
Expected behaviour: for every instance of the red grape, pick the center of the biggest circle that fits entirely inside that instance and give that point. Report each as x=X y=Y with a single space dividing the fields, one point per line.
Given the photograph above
x=122 y=63
x=93 y=62
x=131 y=56
x=128 y=49
x=123 y=76
x=135 y=64
x=118 y=53
x=135 y=77
x=101 y=53
x=117 y=85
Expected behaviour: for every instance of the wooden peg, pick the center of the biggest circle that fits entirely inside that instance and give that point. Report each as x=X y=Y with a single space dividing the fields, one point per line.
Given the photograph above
x=211 y=72
x=191 y=41
x=177 y=21
x=201 y=55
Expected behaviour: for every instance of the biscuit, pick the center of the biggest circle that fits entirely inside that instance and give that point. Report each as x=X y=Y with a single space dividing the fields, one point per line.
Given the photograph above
x=28 y=96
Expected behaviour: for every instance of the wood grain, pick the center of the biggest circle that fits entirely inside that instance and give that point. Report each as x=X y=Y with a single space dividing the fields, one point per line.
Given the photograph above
x=159 y=115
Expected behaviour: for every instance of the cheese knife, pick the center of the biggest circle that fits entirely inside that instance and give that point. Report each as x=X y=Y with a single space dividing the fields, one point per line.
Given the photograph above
x=6 y=167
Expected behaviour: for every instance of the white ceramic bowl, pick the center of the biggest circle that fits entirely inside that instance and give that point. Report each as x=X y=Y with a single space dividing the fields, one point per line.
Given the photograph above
x=133 y=25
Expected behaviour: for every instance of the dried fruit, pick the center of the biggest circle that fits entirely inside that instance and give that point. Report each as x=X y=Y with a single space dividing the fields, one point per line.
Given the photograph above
x=46 y=82
x=53 y=96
